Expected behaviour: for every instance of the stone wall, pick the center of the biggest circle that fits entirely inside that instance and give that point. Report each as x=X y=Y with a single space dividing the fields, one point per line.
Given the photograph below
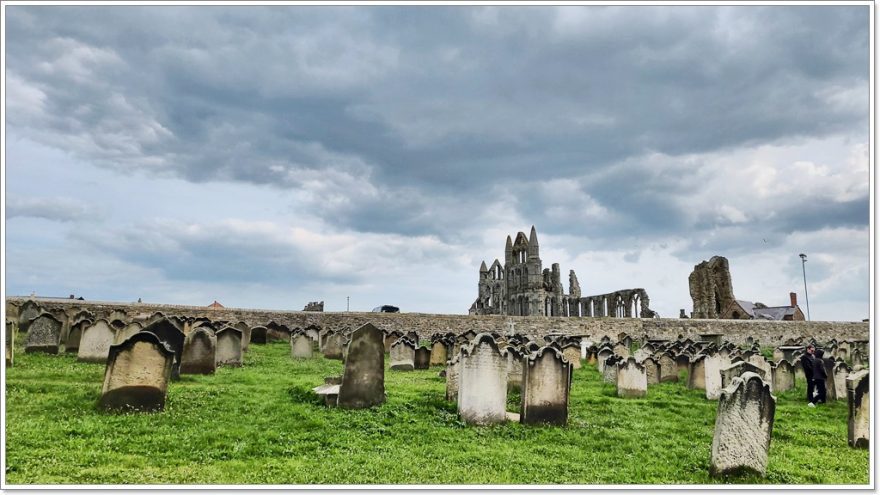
x=766 y=332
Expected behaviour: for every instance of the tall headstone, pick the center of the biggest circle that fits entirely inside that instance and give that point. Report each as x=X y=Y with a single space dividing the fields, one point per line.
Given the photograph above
x=199 y=352
x=743 y=427
x=652 y=369
x=546 y=386
x=452 y=369
x=137 y=374
x=94 y=346
x=632 y=379
x=859 y=403
x=609 y=370
x=332 y=348
x=363 y=381
x=245 y=330
x=482 y=388
x=422 y=358
x=602 y=355
x=668 y=368
x=572 y=353
x=44 y=334
x=229 y=347
x=300 y=346
x=704 y=373
x=514 y=368
x=438 y=353
x=840 y=370
x=403 y=354
x=26 y=314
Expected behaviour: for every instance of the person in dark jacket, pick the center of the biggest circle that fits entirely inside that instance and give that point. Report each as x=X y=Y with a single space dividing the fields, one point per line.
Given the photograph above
x=807 y=363
x=819 y=377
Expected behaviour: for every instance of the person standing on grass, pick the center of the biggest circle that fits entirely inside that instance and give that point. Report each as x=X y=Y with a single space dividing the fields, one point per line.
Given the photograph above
x=819 y=376
x=807 y=363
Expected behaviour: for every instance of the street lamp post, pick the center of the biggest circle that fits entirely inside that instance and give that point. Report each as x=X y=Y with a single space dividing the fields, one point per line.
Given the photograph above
x=346 y=303
x=806 y=296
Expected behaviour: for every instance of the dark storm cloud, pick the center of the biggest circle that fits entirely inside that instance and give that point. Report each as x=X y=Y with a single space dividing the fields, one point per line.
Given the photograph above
x=430 y=108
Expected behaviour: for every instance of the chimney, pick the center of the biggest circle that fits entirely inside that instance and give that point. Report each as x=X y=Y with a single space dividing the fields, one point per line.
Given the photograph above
x=793 y=296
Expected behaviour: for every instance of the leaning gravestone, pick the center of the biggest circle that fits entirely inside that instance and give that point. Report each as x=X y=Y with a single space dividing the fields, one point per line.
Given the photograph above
x=172 y=336
x=632 y=379
x=743 y=426
x=403 y=354
x=229 y=343
x=137 y=374
x=438 y=353
x=94 y=346
x=300 y=346
x=482 y=387
x=10 y=341
x=422 y=358
x=199 y=352
x=44 y=334
x=859 y=401
x=783 y=376
x=363 y=381
x=546 y=386
x=26 y=314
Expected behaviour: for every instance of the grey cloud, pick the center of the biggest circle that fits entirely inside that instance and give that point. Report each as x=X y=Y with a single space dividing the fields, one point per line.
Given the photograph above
x=55 y=209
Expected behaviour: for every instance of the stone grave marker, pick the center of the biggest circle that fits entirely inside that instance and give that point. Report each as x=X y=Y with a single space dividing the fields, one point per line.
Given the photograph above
x=403 y=355
x=601 y=357
x=859 y=403
x=363 y=381
x=668 y=368
x=737 y=369
x=245 y=330
x=572 y=353
x=609 y=370
x=704 y=373
x=26 y=314
x=632 y=379
x=482 y=388
x=546 y=384
x=621 y=350
x=332 y=348
x=258 y=335
x=172 y=336
x=782 y=376
x=438 y=353
x=75 y=335
x=652 y=369
x=514 y=368
x=199 y=352
x=422 y=358
x=743 y=427
x=94 y=346
x=841 y=371
x=10 y=341
x=126 y=333
x=44 y=334
x=390 y=338
x=452 y=368
x=300 y=346
x=229 y=347
x=137 y=374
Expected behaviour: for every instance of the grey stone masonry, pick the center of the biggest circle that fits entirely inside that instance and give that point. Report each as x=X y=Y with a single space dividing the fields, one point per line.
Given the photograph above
x=363 y=381
x=743 y=427
x=545 y=390
x=859 y=401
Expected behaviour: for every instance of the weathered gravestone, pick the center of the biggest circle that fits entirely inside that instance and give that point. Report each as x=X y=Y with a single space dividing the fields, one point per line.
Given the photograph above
x=258 y=335
x=438 y=353
x=245 y=330
x=332 y=347
x=840 y=370
x=275 y=332
x=422 y=358
x=621 y=350
x=683 y=362
x=403 y=354
x=762 y=363
x=363 y=381
x=632 y=379
x=126 y=333
x=572 y=353
x=783 y=376
x=668 y=368
x=137 y=374
x=391 y=338
x=652 y=370
x=609 y=369
x=94 y=346
x=830 y=389
x=300 y=346
x=601 y=356
x=228 y=347
x=26 y=314
x=452 y=368
x=743 y=426
x=737 y=369
x=314 y=334
x=704 y=373
x=172 y=336
x=546 y=383
x=514 y=368
x=859 y=402
x=44 y=334
x=482 y=386
x=75 y=335
x=10 y=341
x=199 y=352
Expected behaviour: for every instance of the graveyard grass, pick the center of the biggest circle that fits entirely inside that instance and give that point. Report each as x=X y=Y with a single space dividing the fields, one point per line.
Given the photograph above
x=261 y=424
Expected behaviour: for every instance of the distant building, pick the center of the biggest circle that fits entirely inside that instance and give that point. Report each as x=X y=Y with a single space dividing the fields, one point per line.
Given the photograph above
x=747 y=310
x=215 y=305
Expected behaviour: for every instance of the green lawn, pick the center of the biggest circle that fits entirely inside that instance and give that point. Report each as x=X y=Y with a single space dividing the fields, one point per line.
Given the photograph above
x=260 y=424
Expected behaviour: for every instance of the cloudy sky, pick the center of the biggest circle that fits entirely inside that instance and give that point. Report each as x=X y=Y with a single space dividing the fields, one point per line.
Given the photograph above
x=270 y=156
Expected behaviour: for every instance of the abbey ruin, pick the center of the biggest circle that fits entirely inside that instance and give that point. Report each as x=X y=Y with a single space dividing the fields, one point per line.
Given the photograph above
x=522 y=287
